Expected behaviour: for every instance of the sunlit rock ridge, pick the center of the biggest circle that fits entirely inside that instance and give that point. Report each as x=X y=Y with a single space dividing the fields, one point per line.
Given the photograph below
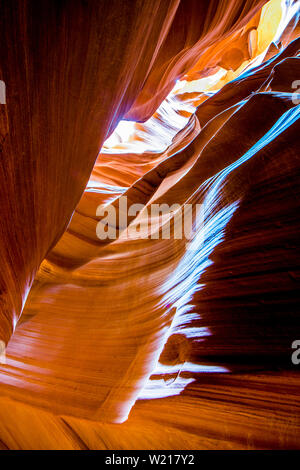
x=143 y=341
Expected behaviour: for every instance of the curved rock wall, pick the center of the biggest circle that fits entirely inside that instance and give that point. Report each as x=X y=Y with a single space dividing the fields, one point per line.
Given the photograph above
x=135 y=326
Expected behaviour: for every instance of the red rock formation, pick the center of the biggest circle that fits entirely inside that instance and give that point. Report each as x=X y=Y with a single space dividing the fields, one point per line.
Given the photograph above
x=110 y=322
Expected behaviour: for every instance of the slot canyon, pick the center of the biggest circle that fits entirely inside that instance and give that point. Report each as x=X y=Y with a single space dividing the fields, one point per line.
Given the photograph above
x=126 y=320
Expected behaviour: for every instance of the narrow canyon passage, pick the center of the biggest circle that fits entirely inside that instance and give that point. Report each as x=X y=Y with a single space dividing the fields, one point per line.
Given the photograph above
x=128 y=322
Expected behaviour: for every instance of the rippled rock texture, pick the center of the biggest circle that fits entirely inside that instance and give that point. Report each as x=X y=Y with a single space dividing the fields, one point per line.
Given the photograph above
x=141 y=342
